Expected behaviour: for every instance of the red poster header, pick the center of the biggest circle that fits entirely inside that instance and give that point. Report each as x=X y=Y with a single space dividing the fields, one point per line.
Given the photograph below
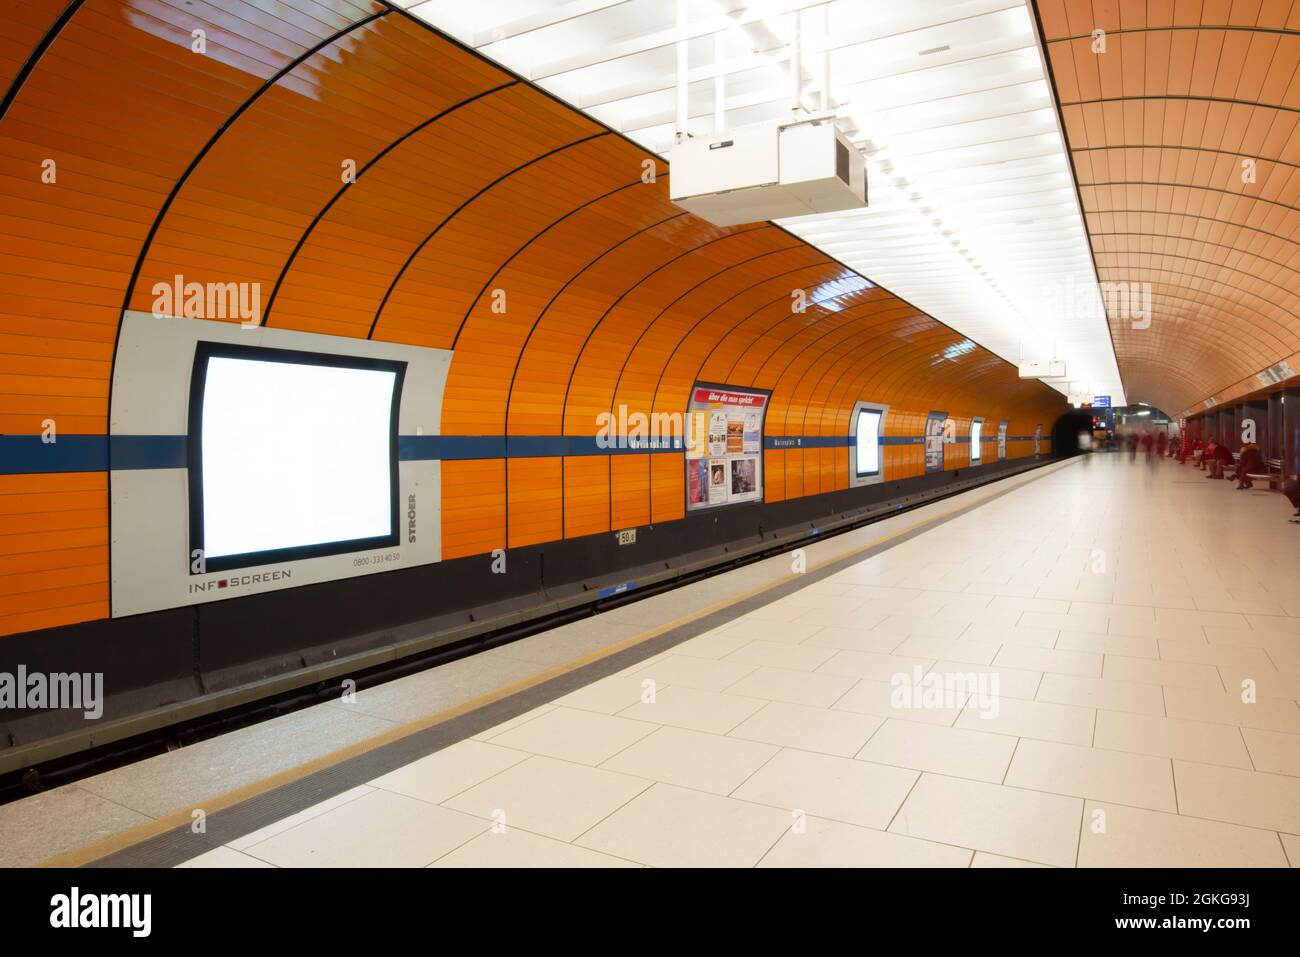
x=712 y=396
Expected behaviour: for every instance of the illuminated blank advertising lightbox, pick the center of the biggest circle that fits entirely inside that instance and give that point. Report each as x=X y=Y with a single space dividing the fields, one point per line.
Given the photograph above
x=866 y=437
x=292 y=454
x=868 y=442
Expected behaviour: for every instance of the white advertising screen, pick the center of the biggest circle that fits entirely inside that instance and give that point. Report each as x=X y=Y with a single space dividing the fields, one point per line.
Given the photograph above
x=976 y=450
x=868 y=442
x=290 y=473
x=294 y=454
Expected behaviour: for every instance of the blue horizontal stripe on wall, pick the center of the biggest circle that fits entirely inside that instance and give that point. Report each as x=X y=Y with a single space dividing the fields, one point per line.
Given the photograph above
x=419 y=448
x=833 y=441
x=426 y=447
x=28 y=454
x=148 y=451
x=807 y=441
x=839 y=441
x=22 y=454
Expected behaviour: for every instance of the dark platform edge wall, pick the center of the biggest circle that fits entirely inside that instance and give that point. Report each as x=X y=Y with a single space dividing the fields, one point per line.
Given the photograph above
x=163 y=659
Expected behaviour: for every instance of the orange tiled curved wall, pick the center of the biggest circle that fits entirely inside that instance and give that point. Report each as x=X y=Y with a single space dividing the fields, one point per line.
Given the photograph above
x=1160 y=122
x=227 y=166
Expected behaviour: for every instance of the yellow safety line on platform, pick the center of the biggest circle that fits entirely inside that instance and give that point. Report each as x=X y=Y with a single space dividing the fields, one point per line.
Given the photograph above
x=184 y=817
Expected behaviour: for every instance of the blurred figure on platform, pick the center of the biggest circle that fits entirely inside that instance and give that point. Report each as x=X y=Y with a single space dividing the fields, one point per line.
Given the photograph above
x=1250 y=460
x=1162 y=442
x=1291 y=489
x=1131 y=440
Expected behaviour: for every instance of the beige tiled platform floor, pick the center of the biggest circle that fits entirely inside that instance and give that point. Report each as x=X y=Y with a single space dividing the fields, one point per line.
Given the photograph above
x=1119 y=607
x=101 y=807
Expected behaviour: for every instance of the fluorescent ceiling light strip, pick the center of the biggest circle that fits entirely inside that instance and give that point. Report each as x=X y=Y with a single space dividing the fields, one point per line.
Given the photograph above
x=974 y=212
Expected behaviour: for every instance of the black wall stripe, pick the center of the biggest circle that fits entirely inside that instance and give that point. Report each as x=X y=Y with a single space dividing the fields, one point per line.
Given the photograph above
x=212 y=141
x=519 y=359
x=627 y=292
x=538 y=235
x=618 y=380
x=302 y=240
x=456 y=212
x=30 y=64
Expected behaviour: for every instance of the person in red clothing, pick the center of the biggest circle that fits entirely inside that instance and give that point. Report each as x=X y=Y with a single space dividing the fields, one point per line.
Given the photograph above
x=1218 y=455
x=1249 y=461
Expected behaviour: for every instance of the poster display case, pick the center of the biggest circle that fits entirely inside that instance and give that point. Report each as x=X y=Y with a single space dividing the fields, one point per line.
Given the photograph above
x=937 y=430
x=724 y=446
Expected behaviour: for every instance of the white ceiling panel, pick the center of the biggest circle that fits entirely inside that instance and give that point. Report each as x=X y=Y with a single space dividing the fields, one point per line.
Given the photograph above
x=973 y=213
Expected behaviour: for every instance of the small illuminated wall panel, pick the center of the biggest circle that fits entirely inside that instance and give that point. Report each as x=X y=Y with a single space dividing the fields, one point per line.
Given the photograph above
x=867 y=459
